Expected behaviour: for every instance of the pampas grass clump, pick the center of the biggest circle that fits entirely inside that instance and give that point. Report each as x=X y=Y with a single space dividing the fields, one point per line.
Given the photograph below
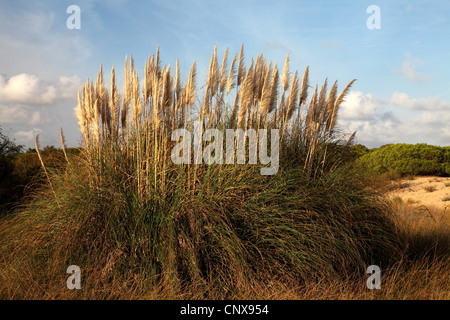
x=140 y=226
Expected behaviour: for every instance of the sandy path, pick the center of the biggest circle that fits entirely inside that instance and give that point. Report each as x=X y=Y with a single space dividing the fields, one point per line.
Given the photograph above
x=428 y=191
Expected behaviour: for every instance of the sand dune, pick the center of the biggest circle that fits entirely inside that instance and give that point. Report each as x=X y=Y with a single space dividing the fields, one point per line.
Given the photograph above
x=428 y=191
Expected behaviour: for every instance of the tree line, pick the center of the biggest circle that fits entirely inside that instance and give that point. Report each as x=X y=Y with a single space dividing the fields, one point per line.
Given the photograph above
x=21 y=170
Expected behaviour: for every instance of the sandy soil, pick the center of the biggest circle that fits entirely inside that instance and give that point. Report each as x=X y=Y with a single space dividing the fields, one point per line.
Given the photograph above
x=428 y=191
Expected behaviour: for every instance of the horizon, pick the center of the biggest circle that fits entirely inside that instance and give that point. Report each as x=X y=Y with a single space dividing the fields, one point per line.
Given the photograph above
x=401 y=94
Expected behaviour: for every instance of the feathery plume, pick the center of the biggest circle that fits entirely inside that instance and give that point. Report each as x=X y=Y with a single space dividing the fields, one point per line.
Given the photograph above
x=114 y=104
x=157 y=63
x=257 y=78
x=246 y=95
x=241 y=67
x=351 y=140
x=82 y=117
x=266 y=93
x=215 y=74
x=332 y=95
x=321 y=102
x=274 y=89
x=123 y=115
x=232 y=75
x=305 y=85
x=247 y=87
x=235 y=107
x=311 y=114
x=223 y=72
x=337 y=103
x=167 y=90
x=191 y=92
x=344 y=92
x=293 y=97
x=177 y=81
x=137 y=106
x=205 y=109
x=285 y=77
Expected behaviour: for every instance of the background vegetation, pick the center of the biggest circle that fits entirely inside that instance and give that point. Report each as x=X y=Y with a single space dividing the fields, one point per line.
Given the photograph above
x=21 y=171
x=408 y=159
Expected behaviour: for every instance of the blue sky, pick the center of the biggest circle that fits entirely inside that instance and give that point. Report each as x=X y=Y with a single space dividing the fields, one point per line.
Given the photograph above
x=402 y=93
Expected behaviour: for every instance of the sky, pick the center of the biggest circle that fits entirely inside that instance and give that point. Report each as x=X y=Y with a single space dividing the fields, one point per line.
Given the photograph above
x=402 y=67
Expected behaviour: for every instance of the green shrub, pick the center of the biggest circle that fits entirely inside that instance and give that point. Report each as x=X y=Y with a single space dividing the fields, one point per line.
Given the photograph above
x=408 y=159
x=8 y=181
x=20 y=172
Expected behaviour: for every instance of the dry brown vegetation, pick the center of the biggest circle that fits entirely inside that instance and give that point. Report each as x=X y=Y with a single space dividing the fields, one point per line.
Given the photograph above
x=141 y=227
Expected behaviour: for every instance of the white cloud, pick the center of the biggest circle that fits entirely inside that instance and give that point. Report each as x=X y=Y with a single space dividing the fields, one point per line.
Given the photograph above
x=436 y=119
x=28 y=136
x=360 y=106
x=28 y=102
x=29 y=89
x=403 y=100
x=23 y=115
x=68 y=86
x=408 y=69
x=378 y=122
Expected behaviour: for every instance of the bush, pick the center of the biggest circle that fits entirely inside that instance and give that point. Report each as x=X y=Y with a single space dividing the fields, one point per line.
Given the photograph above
x=22 y=171
x=8 y=182
x=408 y=159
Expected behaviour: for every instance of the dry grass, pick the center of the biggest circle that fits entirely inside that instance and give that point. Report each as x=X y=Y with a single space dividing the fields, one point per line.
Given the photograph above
x=143 y=228
x=422 y=272
x=426 y=229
